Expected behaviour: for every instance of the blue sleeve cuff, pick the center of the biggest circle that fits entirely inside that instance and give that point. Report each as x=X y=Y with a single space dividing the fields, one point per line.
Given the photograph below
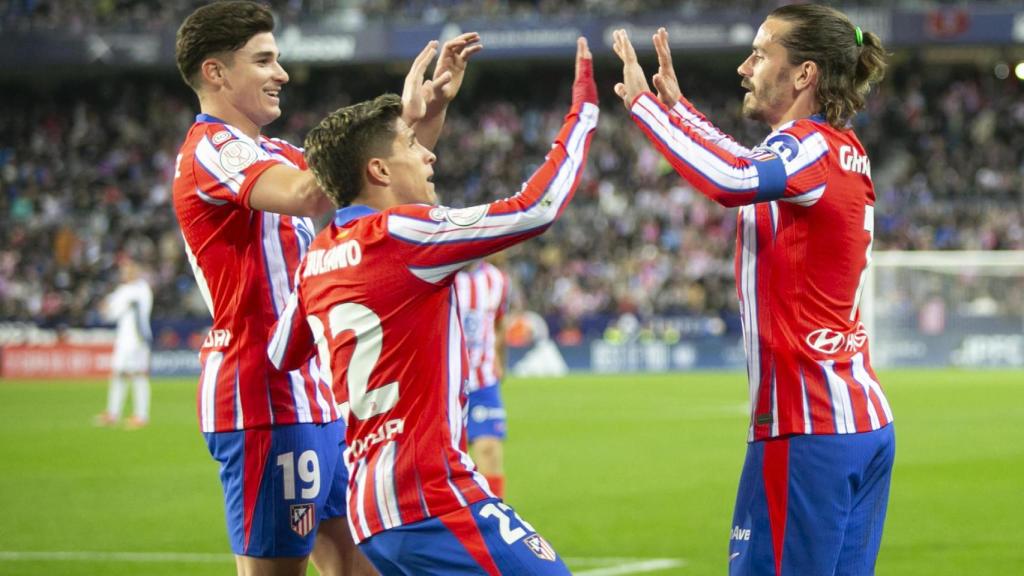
x=771 y=177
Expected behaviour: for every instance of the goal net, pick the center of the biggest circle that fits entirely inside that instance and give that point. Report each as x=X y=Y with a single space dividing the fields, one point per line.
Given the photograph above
x=961 y=309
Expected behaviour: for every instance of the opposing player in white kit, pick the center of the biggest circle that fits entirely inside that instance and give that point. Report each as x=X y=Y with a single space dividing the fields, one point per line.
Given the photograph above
x=129 y=306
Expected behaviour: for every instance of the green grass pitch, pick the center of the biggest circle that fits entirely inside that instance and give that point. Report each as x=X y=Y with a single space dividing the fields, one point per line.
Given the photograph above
x=613 y=470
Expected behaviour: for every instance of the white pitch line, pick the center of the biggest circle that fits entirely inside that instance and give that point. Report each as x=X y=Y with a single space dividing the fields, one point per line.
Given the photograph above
x=619 y=567
x=654 y=565
x=69 y=556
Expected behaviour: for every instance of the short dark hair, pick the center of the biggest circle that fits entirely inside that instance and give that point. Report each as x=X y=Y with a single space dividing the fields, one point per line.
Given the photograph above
x=338 y=148
x=220 y=27
x=846 y=70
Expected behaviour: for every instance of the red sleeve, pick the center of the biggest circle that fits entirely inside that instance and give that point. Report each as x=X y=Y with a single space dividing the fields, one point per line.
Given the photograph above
x=791 y=165
x=442 y=240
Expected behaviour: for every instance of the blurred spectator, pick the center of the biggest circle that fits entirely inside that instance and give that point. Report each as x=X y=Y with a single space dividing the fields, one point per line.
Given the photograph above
x=85 y=169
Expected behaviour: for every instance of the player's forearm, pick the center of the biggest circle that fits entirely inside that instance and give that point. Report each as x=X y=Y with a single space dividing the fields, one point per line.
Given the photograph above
x=428 y=129
x=552 y=186
x=721 y=176
x=286 y=190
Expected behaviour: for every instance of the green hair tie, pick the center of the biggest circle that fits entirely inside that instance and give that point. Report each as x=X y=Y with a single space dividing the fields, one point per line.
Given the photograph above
x=860 y=35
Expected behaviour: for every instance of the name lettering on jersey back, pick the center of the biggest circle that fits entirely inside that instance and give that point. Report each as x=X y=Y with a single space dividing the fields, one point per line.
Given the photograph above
x=341 y=256
x=852 y=161
x=386 y=432
x=217 y=339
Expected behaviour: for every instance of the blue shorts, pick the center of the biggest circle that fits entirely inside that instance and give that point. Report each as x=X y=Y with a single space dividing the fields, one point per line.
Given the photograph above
x=486 y=414
x=485 y=539
x=279 y=482
x=812 y=504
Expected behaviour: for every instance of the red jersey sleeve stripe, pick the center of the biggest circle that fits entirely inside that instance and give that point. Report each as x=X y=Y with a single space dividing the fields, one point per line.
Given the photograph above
x=444 y=238
x=724 y=178
x=687 y=112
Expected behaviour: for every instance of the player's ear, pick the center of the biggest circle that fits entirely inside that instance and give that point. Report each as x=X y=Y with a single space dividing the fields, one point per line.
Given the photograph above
x=378 y=173
x=806 y=75
x=212 y=71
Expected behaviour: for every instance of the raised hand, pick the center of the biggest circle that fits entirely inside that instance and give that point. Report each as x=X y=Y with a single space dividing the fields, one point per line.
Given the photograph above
x=665 y=80
x=451 y=69
x=583 y=87
x=633 y=80
x=414 y=102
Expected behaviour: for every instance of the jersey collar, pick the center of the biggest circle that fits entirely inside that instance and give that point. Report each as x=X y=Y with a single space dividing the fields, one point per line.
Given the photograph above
x=349 y=213
x=208 y=118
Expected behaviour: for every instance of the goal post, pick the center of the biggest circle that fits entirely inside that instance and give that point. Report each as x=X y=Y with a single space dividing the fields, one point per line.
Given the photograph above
x=945 y=308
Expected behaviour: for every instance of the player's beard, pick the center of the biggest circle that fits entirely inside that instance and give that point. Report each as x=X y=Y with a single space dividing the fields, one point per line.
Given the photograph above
x=760 y=100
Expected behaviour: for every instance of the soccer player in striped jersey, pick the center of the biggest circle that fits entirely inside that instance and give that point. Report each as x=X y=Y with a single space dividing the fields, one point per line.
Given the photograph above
x=482 y=291
x=375 y=298
x=244 y=203
x=815 y=483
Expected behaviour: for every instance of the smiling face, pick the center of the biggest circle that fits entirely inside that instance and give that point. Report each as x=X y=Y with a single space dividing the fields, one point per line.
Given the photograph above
x=411 y=167
x=253 y=78
x=767 y=74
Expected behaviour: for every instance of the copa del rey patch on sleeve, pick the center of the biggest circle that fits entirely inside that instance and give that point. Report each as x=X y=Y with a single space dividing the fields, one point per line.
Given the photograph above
x=237 y=155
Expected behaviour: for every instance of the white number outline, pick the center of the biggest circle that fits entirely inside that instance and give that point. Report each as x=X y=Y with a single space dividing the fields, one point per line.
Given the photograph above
x=508 y=534
x=869 y=226
x=365 y=323
x=309 y=473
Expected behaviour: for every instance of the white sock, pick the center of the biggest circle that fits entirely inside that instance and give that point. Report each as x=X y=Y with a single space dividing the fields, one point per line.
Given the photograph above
x=115 y=395
x=140 y=396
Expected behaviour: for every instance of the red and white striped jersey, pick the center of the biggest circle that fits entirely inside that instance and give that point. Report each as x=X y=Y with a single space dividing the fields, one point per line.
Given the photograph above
x=243 y=261
x=482 y=290
x=804 y=235
x=376 y=300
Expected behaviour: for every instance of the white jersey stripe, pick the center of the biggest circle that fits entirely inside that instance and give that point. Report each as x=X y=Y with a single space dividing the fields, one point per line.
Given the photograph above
x=710 y=132
x=541 y=213
x=239 y=413
x=808 y=428
x=321 y=400
x=208 y=159
x=861 y=377
x=277 y=278
x=841 y=402
x=273 y=254
x=384 y=487
x=210 y=199
x=197 y=272
x=858 y=362
x=748 y=283
x=454 y=370
x=436 y=274
x=719 y=171
x=807 y=199
x=775 y=405
x=281 y=338
x=209 y=395
x=455 y=383
x=302 y=409
x=360 y=511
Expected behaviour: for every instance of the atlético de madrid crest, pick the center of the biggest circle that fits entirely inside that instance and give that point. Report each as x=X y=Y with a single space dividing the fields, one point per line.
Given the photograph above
x=303 y=518
x=540 y=547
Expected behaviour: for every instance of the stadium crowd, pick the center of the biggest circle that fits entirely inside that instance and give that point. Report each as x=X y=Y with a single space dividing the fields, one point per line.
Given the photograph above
x=79 y=16
x=85 y=171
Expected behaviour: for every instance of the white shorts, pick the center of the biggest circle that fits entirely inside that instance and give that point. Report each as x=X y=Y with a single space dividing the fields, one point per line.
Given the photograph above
x=133 y=358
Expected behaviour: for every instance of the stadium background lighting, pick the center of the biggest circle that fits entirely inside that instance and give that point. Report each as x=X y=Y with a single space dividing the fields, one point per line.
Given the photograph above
x=1019 y=70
